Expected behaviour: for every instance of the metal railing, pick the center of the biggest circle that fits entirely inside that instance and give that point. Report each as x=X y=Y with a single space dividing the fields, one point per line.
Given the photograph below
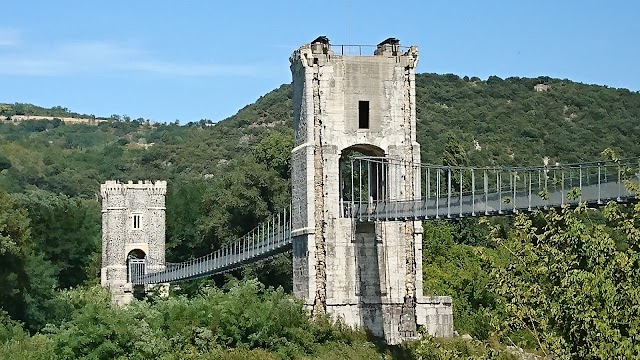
x=136 y=268
x=268 y=239
x=359 y=50
x=378 y=189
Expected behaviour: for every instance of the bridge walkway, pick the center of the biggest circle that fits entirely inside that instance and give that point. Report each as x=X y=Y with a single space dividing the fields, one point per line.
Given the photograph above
x=443 y=192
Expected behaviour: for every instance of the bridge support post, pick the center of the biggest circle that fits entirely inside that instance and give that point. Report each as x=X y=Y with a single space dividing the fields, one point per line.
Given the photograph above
x=368 y=273
x=133 y=226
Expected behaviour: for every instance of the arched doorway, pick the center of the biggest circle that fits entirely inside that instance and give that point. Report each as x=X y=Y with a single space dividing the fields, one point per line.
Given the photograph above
x=136 y=264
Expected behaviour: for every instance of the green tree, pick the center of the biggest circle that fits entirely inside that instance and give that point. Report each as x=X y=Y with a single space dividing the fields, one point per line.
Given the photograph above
x=4 y=162
x=453 y=267
x=454 y=154
x=570 y=286
x=15 y=249
x=274 y=151
x=67 y=232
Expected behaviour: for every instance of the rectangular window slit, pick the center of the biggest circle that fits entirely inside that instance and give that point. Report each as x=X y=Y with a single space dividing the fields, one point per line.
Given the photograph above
x=363 y=114
x=136 y=221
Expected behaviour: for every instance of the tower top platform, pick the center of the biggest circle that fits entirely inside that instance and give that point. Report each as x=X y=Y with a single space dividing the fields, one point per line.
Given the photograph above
x=389 y=47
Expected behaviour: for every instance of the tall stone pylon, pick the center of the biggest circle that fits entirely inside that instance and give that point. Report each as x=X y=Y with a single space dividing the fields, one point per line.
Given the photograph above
x=133 y=227
x=369 y=274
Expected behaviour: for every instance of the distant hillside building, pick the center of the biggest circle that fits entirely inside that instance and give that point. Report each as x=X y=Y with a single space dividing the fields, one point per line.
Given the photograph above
x=542 y=87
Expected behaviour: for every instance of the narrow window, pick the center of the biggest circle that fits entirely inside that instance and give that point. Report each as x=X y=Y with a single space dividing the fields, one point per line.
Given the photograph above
x=136 y=221
x=363 y=114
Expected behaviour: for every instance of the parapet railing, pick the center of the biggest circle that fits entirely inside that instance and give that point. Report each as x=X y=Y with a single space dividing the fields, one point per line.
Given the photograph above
x=268 y=239
x=359 y=50
x=376 y=188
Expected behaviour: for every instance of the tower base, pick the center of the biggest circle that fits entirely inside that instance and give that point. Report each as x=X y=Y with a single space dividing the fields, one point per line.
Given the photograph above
x=395 y=322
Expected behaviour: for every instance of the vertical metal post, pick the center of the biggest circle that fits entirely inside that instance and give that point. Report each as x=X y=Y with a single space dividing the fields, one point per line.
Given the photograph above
x=398 y=187
x=281 y=227
x=619 y=185
x=580 y=184
x=473 y=192
x=437 y=193
x=341 y=189
x=418 y=190
x=428 y=189
x=449 y=192
x=486 y=192
x=529 y=207
x=252 y=244
x=270 y=226
x=599 y=183
x=259 y=236
x=562 y=189
x=460 y=205
x=546 y=188
x=369 y=197
x=499 y=185
x=264 y=241
x=353 y=200
x=515 y=192
x=359 y=188
x=378 y=187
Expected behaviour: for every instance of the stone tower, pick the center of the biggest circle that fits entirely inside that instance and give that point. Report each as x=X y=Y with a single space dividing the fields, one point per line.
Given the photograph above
x=133 y=226
x=367 y=273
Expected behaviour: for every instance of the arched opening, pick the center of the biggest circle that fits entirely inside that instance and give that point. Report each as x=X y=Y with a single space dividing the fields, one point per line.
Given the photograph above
x=363 y=175
x=136 y=264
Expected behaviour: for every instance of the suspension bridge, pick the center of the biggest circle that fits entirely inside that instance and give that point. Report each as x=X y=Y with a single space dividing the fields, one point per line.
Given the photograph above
x=359 y=194
x=449 y=192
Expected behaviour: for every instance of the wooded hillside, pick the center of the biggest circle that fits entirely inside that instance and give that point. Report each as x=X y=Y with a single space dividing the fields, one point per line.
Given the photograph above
x=224 y=178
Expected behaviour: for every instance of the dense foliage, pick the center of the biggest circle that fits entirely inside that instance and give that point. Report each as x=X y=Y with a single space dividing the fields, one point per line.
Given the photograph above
x=226 y=177
x=574 y=282
x=258 y=323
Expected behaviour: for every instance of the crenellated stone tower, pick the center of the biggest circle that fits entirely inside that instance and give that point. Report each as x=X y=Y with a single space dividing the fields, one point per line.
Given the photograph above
x=133 y=226
x=367 y=273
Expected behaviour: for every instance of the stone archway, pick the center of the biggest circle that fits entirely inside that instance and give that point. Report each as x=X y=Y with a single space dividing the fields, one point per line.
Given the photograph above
x=136 y=263
x=362 y=181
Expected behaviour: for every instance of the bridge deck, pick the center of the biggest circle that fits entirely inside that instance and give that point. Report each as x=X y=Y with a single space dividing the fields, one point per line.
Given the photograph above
x=493 y=204
x=501 y=191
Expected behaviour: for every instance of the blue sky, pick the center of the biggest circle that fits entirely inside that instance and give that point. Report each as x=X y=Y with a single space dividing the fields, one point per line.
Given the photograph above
x=188 y=60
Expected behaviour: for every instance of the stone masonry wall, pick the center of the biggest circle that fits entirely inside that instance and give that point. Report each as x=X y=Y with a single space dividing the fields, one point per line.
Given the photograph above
x=369 y=274
x=120 y=203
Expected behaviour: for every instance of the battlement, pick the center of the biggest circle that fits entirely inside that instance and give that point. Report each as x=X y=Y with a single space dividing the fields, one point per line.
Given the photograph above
x=114 y=187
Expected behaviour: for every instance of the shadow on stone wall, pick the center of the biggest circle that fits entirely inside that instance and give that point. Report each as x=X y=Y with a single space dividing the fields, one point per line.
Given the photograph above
x=368 y=280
